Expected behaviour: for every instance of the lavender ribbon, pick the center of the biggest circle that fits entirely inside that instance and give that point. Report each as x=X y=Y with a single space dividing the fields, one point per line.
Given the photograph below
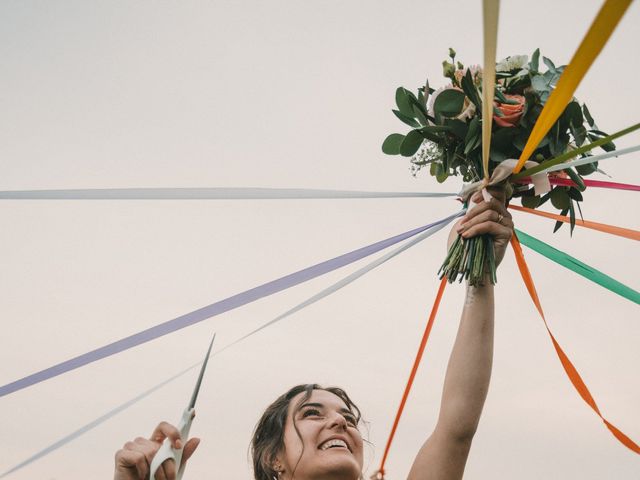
x=214 y=309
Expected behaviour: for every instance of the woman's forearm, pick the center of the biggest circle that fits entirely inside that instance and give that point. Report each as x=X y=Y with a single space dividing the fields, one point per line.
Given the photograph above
x=469 y=370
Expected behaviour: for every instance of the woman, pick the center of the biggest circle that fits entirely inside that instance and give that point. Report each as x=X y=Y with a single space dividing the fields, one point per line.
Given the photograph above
x=312 y=432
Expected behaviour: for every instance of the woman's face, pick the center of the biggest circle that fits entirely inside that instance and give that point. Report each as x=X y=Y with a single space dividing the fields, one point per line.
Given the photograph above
x=329 y=445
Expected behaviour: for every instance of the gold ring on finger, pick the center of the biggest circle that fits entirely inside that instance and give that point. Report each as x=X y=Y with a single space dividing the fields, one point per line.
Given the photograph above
x=500 y=217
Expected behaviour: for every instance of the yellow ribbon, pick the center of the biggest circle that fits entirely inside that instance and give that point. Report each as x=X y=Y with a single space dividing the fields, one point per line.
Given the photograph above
x=593 y=42
x=490 y=11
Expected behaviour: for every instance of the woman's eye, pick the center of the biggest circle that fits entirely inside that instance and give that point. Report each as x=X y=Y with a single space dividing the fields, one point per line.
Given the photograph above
x=310 y=413
x=351 y=420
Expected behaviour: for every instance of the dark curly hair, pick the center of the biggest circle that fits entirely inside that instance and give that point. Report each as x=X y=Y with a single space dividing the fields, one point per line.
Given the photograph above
x=268 y=436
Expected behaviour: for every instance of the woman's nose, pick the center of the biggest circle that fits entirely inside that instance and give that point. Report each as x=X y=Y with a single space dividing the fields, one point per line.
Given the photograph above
x=336 y=420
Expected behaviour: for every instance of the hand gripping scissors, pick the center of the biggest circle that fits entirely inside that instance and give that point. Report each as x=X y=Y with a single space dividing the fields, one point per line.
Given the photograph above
x=166 y=451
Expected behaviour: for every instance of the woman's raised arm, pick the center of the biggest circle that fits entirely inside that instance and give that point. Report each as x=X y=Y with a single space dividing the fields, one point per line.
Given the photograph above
x=443 y=456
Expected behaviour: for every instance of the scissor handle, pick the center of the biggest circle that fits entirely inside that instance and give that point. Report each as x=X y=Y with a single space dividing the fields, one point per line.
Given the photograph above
x=167 y=452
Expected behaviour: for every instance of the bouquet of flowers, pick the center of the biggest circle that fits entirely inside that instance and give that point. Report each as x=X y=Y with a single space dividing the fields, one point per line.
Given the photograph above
x=446 y=137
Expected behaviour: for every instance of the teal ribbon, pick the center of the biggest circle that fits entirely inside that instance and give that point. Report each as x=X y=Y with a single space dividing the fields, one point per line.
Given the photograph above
x=578 y=267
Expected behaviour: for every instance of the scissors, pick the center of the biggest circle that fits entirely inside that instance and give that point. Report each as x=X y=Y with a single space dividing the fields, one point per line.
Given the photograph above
x=166 y=451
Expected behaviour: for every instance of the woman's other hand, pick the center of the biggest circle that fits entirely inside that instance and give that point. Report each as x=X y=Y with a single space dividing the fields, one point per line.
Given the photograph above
x=134 y=459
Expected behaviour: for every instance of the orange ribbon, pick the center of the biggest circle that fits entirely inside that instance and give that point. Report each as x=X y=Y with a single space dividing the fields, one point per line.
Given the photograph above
x=570 y=370
x=602 y=227
x=414 y=370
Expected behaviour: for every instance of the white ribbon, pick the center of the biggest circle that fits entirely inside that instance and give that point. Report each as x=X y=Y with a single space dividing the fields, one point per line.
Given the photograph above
x=504 y=169
x=594 y=158
x=212 y=193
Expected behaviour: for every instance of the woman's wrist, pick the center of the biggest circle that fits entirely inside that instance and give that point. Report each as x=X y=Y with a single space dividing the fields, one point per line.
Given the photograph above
x=483 y=289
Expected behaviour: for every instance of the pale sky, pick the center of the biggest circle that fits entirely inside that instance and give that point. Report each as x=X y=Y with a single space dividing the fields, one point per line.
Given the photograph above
x=299 y=95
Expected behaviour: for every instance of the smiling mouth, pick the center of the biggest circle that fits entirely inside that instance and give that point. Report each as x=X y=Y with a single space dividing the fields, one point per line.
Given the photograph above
x=334 y=443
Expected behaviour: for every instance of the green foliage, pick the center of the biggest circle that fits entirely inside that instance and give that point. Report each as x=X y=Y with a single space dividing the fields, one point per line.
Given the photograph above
x=448 y=124
x=560 y=198
x=391 y=145
x=530 y=201
x=411 y=143
x=449 y=103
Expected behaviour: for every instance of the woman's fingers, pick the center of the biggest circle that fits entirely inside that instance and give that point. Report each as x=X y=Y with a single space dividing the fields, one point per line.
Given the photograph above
x=130 y=458
x=167 y=470
x=133 y=461
x=492 y=228
x=189 y=448
x=149 y=448
x=488 y=215
x=166 y=430
x=496 y=192
x=483 y=207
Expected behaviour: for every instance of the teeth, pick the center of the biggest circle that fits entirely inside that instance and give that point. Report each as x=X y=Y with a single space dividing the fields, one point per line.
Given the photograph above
x=333 y=443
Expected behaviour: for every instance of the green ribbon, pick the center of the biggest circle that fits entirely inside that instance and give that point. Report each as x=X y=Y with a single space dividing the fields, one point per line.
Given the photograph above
x=578 y=267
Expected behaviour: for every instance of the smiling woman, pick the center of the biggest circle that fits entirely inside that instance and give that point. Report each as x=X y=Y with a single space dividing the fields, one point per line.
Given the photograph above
x=320 y=437
x=311 y=432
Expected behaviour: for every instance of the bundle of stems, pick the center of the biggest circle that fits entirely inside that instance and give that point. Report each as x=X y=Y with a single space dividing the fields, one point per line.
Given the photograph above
x=470 y=259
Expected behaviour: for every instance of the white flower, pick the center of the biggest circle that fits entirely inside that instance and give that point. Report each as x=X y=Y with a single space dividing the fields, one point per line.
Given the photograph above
x=514 y=62
x=428 y=152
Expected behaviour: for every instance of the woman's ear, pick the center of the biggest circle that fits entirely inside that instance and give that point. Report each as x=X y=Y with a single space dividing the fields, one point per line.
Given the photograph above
x=277 y=466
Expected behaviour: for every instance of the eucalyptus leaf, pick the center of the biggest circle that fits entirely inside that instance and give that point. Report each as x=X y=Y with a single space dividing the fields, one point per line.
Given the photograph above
x=580 y=211
x=416 y=103
x=449 y=103
x=575 y=194
x=458 y=128
x=573 y=113
x=559 y=223
x=594 y=135
x=572 y=217
x=577 y=179
x=423 y=119
x=474 y=129
x=403 y=101
x=535 y=58
x=411 y=143
x=540 y=83
x=474 y=143
x=545 y=198
x=405 y=119
x=441 y=173
x=588 y=116
x=497 y=156
x=587 y=168
x=550 y=65
x=470 y=90
x=560 y=198
x=579 y=134
x=430 y=135
x=435 y=128
x=391 y=144
x=530 y=201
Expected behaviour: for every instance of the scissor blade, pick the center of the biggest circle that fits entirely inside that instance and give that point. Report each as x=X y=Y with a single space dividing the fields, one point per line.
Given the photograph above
x=194 y=396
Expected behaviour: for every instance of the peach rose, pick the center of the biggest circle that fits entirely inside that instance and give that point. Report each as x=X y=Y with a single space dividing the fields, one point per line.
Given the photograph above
x=511 y=113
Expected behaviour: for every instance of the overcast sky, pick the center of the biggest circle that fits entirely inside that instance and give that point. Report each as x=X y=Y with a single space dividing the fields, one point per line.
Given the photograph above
x=285 y=94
